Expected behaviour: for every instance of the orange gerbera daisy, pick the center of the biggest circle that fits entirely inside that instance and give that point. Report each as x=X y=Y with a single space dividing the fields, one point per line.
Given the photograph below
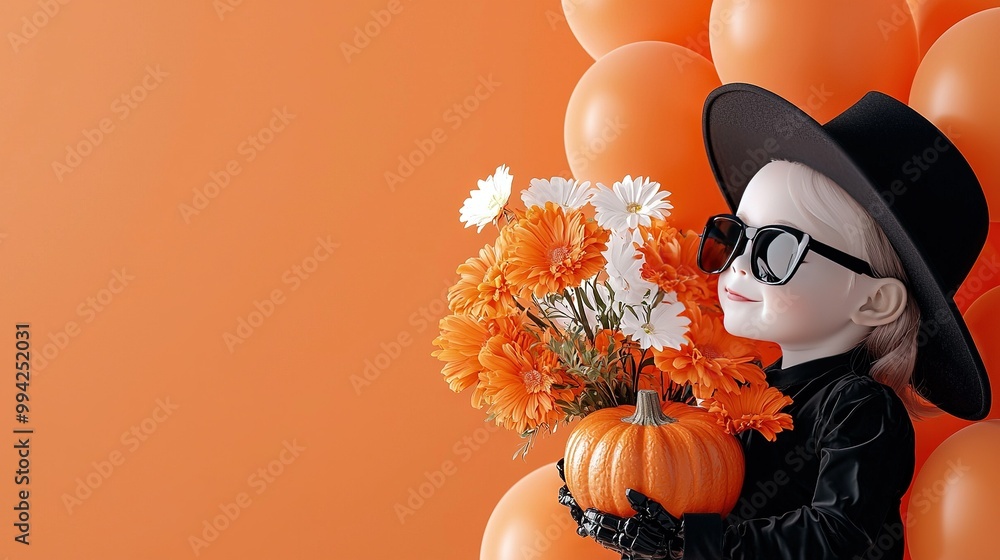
x=479 y=391
x=671 y=262
x=483 y=290
x=511 y=327
x=550 y=250
x=520 y=374
x=755 y=406
x=712 y=358
x=460 y=341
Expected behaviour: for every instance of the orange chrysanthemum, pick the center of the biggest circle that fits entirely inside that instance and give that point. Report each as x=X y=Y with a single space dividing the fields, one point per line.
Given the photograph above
x=550 y=250
x=712 y=358
x=460 y=341
x=671 y=262
x=755 y=406
x=511 y=326
x=520 y=374
x=483 y=290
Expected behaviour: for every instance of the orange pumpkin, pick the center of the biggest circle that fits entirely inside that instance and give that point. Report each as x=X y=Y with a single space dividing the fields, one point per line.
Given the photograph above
x=676 y=454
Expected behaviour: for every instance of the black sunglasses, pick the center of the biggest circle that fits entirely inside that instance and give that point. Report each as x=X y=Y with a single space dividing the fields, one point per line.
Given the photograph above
x=776 y=250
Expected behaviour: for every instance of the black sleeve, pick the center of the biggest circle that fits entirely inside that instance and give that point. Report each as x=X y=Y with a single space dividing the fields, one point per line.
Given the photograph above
x=866 y=452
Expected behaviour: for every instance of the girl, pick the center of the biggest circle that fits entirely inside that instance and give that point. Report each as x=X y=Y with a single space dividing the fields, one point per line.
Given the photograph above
x=846 y=247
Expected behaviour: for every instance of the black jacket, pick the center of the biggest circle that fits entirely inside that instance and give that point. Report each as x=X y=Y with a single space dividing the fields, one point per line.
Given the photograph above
x=828 y=489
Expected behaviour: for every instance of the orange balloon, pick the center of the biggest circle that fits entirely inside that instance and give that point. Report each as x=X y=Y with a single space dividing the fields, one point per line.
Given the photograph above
x=983 y=320
x=604 y=25
x=932 y=432
x=985 y=274
x=529 y=522
x=956 y=87
x=637 y=111
x=950 y=515
x=934 y=17
x=822 y=55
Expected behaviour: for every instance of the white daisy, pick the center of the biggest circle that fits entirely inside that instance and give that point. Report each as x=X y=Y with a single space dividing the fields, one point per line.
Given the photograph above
x=485 y=204
x=630 y=203
x=570 y=194
x=665 y=327
x=669 y=297
x=623 y=268
x=637 y=237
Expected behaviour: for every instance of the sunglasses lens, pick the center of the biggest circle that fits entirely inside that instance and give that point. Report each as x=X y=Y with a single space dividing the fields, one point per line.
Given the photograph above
x=774 y=255
x=718 y=243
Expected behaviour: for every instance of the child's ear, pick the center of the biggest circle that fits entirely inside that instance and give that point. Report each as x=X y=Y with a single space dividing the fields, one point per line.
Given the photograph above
x=885 y=303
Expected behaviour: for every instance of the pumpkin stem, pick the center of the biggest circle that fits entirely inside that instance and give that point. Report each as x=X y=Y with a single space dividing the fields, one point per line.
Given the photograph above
x=648 y=411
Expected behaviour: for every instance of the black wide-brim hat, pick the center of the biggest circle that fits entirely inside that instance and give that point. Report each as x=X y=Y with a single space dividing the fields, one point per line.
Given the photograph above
x=911 y=179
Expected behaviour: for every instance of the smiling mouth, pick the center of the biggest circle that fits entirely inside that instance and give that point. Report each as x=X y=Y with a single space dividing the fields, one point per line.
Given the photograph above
x=737 y=297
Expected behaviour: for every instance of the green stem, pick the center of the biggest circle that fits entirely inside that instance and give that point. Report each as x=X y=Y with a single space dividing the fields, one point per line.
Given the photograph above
x=642 y=358
x=583 y=313
x=607 y=394
x=552 y=323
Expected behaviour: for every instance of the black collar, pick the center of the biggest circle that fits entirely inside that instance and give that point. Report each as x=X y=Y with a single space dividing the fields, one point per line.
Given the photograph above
x=856 y=359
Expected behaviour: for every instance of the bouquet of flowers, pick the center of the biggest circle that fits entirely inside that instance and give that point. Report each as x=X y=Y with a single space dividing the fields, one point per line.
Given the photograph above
x=585 y=297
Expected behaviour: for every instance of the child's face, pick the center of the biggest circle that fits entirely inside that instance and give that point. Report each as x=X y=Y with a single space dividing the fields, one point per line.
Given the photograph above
x=811 y=309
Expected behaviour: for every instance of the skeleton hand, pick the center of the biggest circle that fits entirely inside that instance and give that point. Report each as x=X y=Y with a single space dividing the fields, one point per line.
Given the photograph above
x=652 y=533
x=567 y=499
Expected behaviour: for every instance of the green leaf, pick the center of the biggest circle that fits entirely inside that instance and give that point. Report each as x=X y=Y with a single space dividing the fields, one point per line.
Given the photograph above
x=597 y=298
x=522 y=450
x=632 y=311
x=582 y=294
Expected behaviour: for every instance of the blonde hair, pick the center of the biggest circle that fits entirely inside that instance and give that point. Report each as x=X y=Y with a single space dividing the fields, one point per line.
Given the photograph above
x=892 y=345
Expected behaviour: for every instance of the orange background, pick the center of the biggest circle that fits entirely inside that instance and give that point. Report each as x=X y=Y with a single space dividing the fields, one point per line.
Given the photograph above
x=63 y=235
x=212 y=207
